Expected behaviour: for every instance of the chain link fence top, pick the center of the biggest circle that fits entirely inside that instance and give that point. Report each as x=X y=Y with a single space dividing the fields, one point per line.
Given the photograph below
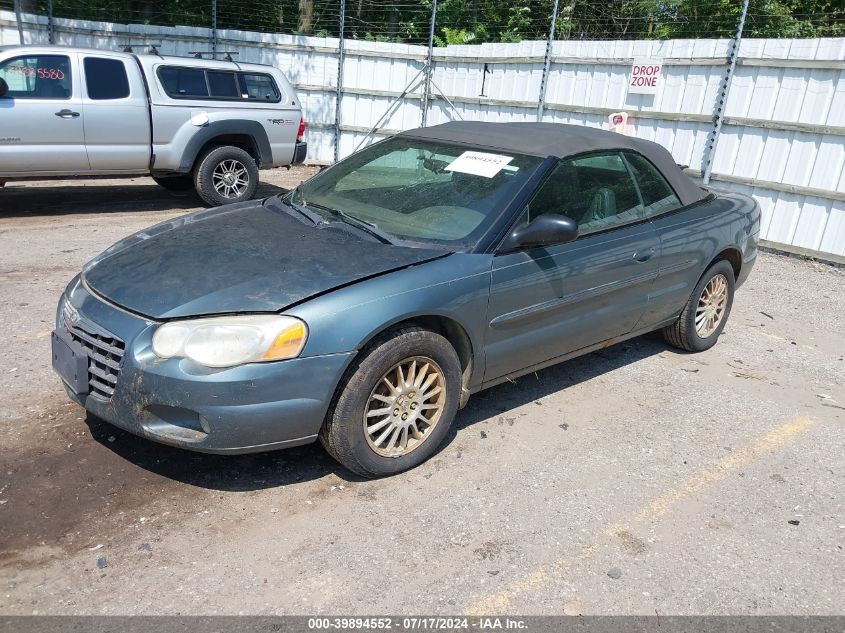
x=471 y=21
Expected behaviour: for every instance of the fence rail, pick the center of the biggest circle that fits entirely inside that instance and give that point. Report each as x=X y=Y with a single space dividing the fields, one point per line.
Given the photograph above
x=782 y=136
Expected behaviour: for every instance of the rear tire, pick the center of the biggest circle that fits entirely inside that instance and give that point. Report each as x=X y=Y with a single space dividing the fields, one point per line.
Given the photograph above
x=225 y=175
x=396 y=404
x=706 y=313
x=175 y=183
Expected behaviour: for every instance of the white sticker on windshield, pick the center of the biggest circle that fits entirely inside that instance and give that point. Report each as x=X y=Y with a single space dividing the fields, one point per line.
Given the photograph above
x=479 y=164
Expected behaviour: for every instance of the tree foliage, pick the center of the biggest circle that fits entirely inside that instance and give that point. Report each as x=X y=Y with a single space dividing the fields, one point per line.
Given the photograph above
x=477 y=21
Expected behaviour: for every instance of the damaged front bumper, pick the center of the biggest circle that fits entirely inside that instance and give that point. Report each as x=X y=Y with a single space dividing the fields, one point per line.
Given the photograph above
x=248 y=408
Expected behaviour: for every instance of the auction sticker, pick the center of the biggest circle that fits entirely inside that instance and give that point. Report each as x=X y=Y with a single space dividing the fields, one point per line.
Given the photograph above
x=479 y=164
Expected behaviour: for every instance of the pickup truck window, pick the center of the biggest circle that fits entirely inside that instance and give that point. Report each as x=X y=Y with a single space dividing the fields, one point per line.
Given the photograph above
x=259 y=87
x=183 y=83
x=222 y=84
x=37 y=77
x=197 y=83
x=105 y=79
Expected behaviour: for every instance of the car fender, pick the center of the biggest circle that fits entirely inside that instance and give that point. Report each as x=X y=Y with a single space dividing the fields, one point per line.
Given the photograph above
x=215 y=129
x=738 y=232
x=192 y=138
x=455 y=287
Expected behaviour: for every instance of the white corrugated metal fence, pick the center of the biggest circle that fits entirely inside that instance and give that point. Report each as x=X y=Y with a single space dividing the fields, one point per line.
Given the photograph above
x=782 y=140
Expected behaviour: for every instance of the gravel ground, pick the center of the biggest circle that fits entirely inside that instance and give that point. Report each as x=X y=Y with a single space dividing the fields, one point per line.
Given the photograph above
x=633 y=480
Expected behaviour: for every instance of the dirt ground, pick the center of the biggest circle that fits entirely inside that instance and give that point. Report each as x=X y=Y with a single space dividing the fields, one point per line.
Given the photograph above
x=632 y=480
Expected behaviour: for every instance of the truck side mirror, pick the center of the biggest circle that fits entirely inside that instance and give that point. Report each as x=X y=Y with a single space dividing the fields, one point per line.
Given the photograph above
x=4 y=87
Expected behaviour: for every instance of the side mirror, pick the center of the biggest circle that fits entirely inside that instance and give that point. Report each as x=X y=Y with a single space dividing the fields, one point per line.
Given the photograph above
x=544 y=230
x=4 y=87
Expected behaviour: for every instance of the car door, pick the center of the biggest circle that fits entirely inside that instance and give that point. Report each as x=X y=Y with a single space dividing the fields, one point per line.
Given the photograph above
x=550 y=301
x=116 y=114
x=41 y=127
x=686 y=237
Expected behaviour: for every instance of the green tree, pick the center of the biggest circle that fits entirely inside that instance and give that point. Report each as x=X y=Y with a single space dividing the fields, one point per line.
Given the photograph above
x=477 y=21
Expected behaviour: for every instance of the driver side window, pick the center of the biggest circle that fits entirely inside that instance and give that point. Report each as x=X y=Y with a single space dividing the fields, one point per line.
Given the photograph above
x=594 y=190
x=37 y=77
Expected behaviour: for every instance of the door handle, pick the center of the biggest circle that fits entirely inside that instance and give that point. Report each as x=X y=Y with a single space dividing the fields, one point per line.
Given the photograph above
x=67 y=114
x=644 y=256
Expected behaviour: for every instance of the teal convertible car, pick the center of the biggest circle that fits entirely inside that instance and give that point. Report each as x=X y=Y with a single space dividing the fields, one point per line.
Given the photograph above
x=364 y=307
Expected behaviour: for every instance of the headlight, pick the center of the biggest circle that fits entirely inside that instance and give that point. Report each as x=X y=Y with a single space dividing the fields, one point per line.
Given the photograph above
x=229 y=341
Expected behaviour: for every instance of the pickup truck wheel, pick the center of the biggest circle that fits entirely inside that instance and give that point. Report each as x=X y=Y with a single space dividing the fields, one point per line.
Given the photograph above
x=396 y=405
x=706 y=313
x=175 y=183
x=225 y=175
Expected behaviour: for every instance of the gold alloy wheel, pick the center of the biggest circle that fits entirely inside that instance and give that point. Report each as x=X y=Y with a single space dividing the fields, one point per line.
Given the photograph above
x=405 y=406
x=711 y=306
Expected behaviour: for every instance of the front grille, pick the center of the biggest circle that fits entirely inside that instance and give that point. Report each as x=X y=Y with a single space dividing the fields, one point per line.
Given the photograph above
x=104 y=350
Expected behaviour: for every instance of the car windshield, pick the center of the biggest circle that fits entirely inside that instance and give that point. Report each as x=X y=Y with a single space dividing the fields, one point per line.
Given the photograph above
x=419 y=191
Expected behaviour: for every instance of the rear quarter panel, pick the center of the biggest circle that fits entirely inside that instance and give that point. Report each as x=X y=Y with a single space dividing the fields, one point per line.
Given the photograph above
x=691 y=238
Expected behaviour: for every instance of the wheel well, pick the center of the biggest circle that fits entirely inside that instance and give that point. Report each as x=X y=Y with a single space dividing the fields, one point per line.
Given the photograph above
x=449 y=329
x=733 y=256
x=243 y=141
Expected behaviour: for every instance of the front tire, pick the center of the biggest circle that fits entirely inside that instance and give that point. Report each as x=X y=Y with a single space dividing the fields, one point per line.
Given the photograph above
x=396 y=405
x=706 y=313
x=225 y=175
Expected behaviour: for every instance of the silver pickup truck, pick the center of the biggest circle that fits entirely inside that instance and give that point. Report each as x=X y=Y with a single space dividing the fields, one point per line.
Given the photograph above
x=187 y=122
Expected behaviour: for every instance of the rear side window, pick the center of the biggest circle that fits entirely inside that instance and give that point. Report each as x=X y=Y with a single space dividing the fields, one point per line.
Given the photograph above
x=37 y=77
x=183 y=82
x=105 y=79
x=223 y=84
x=258 y=87
x=656 y=192
x=198 y=83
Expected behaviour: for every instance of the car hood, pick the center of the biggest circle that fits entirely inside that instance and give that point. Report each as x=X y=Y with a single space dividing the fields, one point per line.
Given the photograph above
x=248 y=257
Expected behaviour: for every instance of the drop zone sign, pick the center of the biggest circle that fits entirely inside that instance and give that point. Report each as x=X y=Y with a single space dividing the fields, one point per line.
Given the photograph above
x=646 y=75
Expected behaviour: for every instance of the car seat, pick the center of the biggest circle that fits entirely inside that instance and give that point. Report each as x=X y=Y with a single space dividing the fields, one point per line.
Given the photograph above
x=603 y=206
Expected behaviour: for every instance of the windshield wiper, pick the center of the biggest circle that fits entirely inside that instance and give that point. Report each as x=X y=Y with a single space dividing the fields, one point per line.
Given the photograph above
x=316 y=218
x=369 y=227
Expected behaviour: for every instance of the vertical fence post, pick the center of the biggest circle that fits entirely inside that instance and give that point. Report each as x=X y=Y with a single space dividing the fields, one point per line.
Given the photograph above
x=429 y=65
x=339 y=96
x=50 y=35
x=18 y=20
x=214 y=29
x=547 y=62
x=722 y=99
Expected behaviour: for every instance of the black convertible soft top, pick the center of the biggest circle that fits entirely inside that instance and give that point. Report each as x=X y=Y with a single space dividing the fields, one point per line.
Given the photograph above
x=559 y=140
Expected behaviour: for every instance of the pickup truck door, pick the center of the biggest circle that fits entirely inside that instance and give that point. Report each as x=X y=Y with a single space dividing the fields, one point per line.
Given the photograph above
x=116 y=113
x=546 y=302
x=41 y=127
